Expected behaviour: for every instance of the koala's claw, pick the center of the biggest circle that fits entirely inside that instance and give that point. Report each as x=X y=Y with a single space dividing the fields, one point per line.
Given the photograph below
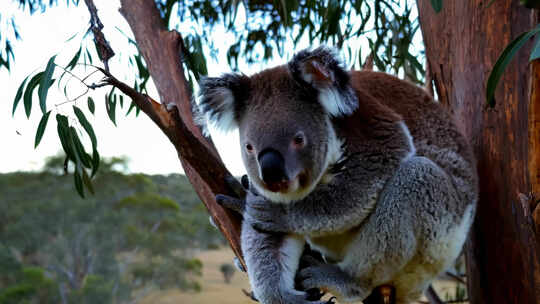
x=250 y=295
x=244 y=180
x=212 y=222
x=314 y=294
x=331 y=300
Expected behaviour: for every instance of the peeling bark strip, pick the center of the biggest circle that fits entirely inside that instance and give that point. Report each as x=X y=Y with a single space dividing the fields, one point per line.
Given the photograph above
x=200 y=160
x=534 y=128
x=462 y=43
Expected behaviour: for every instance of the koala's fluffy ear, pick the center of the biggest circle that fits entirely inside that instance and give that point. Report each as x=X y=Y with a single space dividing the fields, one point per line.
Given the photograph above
x=322 y=70
x=221 y=99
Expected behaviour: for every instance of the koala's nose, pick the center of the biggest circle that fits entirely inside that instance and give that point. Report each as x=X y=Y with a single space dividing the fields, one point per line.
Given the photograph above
x=272 y=166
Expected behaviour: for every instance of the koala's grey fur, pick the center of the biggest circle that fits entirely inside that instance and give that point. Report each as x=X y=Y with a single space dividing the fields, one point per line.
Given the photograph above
x=393 y=206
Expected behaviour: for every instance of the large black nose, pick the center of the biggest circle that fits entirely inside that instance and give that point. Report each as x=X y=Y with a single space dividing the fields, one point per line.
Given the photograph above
x=272 y=166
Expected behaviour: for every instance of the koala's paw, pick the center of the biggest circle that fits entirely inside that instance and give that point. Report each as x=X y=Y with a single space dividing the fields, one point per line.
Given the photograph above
x=265 y=216
x=232 y=203
x=237 y=187
x=331 y=278
x=312 y=277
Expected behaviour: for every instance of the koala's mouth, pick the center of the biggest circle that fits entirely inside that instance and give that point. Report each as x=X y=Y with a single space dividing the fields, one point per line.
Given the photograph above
x=282 y=186
x=288 y=186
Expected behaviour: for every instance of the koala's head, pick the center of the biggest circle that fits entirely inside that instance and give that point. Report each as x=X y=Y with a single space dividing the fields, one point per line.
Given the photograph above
x=284 y=117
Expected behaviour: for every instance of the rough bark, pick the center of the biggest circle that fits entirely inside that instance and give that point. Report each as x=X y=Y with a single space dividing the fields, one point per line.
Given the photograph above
x=462 y=43
x=161 y=50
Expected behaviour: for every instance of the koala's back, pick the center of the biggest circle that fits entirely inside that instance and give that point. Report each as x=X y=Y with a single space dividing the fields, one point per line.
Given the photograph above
x=433 y=131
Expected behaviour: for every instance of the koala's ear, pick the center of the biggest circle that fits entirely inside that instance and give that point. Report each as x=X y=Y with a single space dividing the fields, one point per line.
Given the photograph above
x=322 y=70
x=221 y=100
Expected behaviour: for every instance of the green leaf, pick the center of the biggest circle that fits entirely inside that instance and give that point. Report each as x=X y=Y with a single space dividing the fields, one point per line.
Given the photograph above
x=19 y=95
x=27 y=97
x=89 y=56
x=45 y=83
x=65 y=137
x=131 y=107
x=78 y=183
x=87 y=182
x=91 y=105
x=86 y=125
x=95 y=162
x=535 y=54
x=41 y=128
x=71 y=38
x=504 y=59
x=80 y=152
x=437 y=5
x=110 y=104
x=74 y=60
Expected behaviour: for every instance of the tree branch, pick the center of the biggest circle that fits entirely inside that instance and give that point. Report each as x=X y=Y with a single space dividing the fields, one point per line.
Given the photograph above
x=161 y=50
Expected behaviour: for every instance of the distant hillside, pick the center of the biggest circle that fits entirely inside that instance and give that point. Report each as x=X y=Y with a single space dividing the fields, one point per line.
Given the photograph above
x=135 y=234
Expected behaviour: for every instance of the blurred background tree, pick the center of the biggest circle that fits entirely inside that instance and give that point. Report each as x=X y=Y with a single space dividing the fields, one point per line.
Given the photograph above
x=136 y=234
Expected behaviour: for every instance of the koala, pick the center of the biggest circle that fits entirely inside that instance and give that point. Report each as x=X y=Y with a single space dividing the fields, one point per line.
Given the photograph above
x=366 y=168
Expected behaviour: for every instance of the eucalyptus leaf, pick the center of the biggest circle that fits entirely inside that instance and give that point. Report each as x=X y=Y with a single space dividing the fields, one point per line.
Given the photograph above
x=131 y=107
x=73 y=62
x=504 y=59
x=87 y=182
x=110 y=105
x=91 y=105
x=41 y=128
x=65 y=137
x=45 y=84
x=80 y=152
x=78 y=183
x=86 y=125
x=95 y=162
x=27 y=97
x=535 y=54
x=18 y=95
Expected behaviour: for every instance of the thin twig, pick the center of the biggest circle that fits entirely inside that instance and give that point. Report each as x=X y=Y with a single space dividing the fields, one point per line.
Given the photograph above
x=432 y=296
x=456 y=277
x=105 y=51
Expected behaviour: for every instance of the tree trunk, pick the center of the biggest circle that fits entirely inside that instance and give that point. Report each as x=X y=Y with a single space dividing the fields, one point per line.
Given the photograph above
x=462 y=43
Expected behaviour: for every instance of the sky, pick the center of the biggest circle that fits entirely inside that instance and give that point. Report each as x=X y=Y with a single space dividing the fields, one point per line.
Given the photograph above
x=44 y=35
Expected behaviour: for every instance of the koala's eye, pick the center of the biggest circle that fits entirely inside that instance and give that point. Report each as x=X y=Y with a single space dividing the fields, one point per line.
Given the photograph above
x=299 y=139
x=249 y=147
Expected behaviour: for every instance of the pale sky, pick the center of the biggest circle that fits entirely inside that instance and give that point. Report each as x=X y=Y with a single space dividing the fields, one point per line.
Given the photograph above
x=147 y=148
x=44 y=35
